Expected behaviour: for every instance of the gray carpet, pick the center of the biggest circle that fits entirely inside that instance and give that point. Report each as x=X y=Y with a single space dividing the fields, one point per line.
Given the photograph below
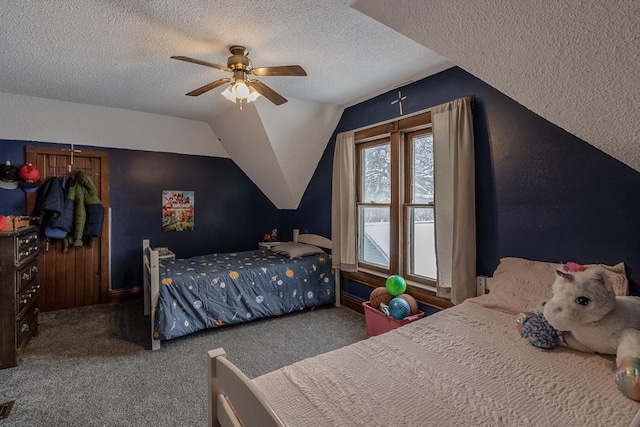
x=91 y=366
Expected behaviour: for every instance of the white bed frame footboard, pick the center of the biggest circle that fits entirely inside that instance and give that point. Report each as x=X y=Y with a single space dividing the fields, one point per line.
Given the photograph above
x=233 y=399
x=151 y=275
x=323 y=242
x=151 y=285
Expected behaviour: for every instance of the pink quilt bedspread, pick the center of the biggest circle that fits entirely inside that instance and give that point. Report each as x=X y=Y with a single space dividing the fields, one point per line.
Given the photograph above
x=463 y=366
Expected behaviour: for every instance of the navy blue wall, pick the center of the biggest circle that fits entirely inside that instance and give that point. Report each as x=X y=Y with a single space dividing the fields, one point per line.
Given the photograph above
x=541 y=193
x=12 y=202
x=231 y=213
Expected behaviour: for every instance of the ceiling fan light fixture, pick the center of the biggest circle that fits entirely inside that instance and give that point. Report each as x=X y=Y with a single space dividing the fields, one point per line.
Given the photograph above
x=228 y=93
x=253 y=95
x=240 y=89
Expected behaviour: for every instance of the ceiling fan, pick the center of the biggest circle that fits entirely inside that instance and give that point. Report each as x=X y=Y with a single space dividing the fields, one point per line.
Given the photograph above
x=243 y=88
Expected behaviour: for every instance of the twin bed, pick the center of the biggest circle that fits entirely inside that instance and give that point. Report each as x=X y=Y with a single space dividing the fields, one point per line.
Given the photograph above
x=466 y=365
x=187 y=295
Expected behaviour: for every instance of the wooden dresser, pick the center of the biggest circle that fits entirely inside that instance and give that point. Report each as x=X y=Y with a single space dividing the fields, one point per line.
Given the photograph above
x=19 y=286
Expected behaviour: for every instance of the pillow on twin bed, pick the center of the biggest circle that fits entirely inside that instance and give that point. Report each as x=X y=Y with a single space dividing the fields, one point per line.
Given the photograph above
x=523 y=284
x=295 y=249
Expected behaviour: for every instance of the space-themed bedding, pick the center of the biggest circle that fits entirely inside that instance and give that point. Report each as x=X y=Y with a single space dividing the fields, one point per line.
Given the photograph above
x=219 y=289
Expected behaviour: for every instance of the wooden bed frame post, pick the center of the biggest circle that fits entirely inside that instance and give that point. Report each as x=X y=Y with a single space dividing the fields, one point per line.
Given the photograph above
x=214 y=387
x=151 y=273
x=234 y=400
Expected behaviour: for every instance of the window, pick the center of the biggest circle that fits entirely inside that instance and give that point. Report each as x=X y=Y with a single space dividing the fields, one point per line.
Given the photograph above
x=395 y=199
x=374 y=211
x=418 y=207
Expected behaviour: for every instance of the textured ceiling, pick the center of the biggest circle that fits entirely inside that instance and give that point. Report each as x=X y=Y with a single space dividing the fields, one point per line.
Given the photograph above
x=116 y=53
x=575 y=63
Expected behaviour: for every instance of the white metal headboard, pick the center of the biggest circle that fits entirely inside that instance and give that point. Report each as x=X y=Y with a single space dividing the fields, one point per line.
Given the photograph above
x=311 y=239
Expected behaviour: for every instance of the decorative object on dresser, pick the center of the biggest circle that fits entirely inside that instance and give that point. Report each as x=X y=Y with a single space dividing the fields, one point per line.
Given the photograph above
x=11 y=223
x=19 y=286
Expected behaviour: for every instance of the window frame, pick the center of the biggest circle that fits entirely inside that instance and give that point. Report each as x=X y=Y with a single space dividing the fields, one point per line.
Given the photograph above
x=360 y=147
x=408 y=204
x=396 y=133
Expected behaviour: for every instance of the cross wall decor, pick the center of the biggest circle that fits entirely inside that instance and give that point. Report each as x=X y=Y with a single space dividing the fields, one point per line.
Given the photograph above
x=399 y=101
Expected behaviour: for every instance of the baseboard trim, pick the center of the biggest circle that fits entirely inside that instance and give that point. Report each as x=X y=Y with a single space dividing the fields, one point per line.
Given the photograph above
x=351 y=302
x=118 y=295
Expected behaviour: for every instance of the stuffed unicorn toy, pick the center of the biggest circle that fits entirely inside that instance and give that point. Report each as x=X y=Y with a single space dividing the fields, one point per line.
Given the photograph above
x=594 y=319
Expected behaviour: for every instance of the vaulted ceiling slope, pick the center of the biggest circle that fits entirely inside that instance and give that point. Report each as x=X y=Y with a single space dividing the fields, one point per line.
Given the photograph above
x=576 y=63
x=114 y=55
x=278 y=148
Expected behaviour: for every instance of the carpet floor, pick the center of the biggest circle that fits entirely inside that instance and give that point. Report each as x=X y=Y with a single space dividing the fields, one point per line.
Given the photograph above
x=91 y=366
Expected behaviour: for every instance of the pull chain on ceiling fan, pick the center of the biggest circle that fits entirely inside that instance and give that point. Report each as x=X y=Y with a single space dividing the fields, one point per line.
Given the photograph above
x=242 y=88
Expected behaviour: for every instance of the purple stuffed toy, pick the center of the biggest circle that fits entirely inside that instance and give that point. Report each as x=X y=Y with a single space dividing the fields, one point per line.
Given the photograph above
x=535 y=328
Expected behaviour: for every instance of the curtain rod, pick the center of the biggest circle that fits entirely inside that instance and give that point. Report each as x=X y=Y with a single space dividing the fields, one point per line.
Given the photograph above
x=389 y=121
x=473 y=97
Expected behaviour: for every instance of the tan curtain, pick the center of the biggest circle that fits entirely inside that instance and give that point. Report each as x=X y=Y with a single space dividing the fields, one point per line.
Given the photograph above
x=343 y=199
x=454 y=170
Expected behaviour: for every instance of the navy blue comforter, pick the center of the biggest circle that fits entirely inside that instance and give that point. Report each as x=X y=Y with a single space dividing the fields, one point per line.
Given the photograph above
x=214 y=290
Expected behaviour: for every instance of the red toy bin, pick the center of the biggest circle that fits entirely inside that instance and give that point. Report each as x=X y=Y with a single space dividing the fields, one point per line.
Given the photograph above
x=378 y=323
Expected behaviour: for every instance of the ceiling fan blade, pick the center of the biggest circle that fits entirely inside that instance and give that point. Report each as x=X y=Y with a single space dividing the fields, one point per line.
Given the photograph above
x=283 y=70
x=197 y=61
x=208 y=87
x=267 y=92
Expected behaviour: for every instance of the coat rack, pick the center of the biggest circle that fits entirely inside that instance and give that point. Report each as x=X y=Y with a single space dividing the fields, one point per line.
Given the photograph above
x=68 y=169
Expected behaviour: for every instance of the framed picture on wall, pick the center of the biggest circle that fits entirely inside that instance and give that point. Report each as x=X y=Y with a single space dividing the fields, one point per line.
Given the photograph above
x=177 y=210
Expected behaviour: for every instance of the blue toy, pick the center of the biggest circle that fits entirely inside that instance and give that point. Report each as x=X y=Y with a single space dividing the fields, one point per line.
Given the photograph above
x=399 y=308
x=535 y=328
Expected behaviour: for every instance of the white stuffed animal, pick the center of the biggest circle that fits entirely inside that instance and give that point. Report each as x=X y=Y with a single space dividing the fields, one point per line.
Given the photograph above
x=585 y=305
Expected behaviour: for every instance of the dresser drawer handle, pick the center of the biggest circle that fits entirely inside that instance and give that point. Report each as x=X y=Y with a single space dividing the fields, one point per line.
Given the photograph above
x=24 y=328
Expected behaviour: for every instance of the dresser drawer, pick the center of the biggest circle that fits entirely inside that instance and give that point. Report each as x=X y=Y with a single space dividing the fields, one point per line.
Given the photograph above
x=27 y=274
x=26 y=295
x=19 y=289
x=26 y=246
x=27 y=325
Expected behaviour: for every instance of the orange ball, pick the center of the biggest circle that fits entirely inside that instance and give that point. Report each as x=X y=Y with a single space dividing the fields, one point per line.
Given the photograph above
x=413 y=304
x=379 y=295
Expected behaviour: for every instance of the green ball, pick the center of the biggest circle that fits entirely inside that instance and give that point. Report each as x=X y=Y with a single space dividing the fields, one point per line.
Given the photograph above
x=395 y=285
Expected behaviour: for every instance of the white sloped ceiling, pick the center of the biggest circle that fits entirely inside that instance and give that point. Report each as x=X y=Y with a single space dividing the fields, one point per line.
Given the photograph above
x=575 y=63
x=278 y=148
